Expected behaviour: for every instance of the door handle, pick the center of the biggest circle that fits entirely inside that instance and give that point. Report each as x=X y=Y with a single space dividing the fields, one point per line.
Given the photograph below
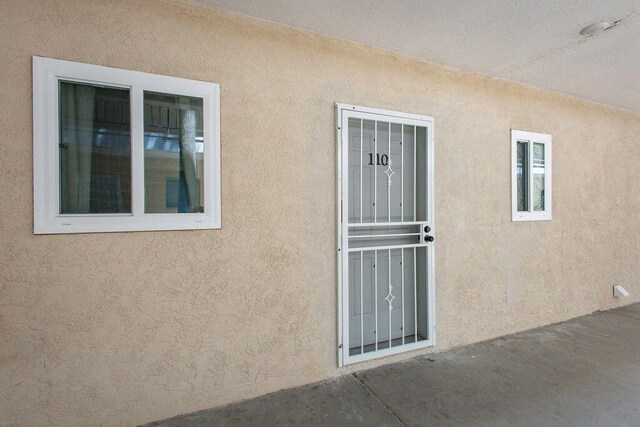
x=429 y=238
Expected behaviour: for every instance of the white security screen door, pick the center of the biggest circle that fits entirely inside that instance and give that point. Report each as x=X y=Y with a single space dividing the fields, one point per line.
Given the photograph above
x=386 y=233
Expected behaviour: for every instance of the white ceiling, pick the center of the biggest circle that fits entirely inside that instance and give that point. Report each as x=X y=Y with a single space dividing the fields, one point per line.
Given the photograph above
x=535 y=42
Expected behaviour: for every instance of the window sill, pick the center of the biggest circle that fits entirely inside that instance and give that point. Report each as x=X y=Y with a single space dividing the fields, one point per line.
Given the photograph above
x=127 y=223
x=531 y=217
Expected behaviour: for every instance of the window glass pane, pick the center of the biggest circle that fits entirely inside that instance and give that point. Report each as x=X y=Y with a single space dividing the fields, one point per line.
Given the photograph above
x=95 y=149
x=174 y=153
x=538 y=176
x=523 y=176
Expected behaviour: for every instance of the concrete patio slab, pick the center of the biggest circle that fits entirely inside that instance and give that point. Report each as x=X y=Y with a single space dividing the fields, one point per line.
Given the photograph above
x=584 y=372
x=631 y=311
x=342 y=401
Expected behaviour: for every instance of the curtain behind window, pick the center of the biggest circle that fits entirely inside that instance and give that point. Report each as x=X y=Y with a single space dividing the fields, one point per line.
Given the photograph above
x=76 y=128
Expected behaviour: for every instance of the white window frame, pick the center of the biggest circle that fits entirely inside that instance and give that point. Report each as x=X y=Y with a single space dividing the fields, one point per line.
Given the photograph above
x=530 y=137
x=47 y=73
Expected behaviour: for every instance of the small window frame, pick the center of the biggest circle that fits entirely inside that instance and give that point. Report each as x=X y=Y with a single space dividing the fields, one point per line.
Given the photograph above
x=531 y=138
x=47 y=73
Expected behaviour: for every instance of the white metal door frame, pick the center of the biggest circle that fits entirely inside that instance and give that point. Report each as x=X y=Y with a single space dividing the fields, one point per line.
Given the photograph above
x=343 y=113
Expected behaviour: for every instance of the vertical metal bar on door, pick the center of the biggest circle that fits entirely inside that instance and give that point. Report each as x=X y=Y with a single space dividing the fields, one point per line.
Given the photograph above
x=402 y=283
x=361 y=303
x=389 y=276
x=375 y=173
x=415 y=297
x=361 y=154
x=402 y=177
x=415 y=143
x=375 y=292
x=389 y=183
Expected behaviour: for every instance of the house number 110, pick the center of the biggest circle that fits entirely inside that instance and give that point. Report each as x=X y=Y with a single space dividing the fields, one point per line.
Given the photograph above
x=380 y=160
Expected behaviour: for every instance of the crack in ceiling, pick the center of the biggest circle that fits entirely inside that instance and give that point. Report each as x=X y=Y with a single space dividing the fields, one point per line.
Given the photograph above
x=534 y=43
x=626 y=20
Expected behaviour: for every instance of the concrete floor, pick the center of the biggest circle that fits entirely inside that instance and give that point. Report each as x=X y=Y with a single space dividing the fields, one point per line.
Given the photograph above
x=585 y=372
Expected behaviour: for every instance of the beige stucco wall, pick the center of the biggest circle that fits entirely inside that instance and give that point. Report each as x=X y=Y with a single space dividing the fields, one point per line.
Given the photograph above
x=126 y=328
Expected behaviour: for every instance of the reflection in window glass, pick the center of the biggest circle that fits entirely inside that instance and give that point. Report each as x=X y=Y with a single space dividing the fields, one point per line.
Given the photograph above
x=95 y=149
x=538 y=177
x=174 y=153
x=523 y=176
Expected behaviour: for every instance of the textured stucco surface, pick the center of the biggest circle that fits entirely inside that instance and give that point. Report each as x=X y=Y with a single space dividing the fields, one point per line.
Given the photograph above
x=126 y=328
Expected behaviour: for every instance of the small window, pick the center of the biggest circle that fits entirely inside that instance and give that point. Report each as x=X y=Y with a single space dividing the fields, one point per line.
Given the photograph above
x=530 y=176
x=118 y=150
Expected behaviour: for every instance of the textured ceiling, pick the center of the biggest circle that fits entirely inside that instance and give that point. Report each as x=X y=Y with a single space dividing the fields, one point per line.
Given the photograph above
x=534 y=42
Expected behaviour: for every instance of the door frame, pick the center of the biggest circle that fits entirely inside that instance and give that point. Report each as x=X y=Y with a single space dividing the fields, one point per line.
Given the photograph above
x=342 y=235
